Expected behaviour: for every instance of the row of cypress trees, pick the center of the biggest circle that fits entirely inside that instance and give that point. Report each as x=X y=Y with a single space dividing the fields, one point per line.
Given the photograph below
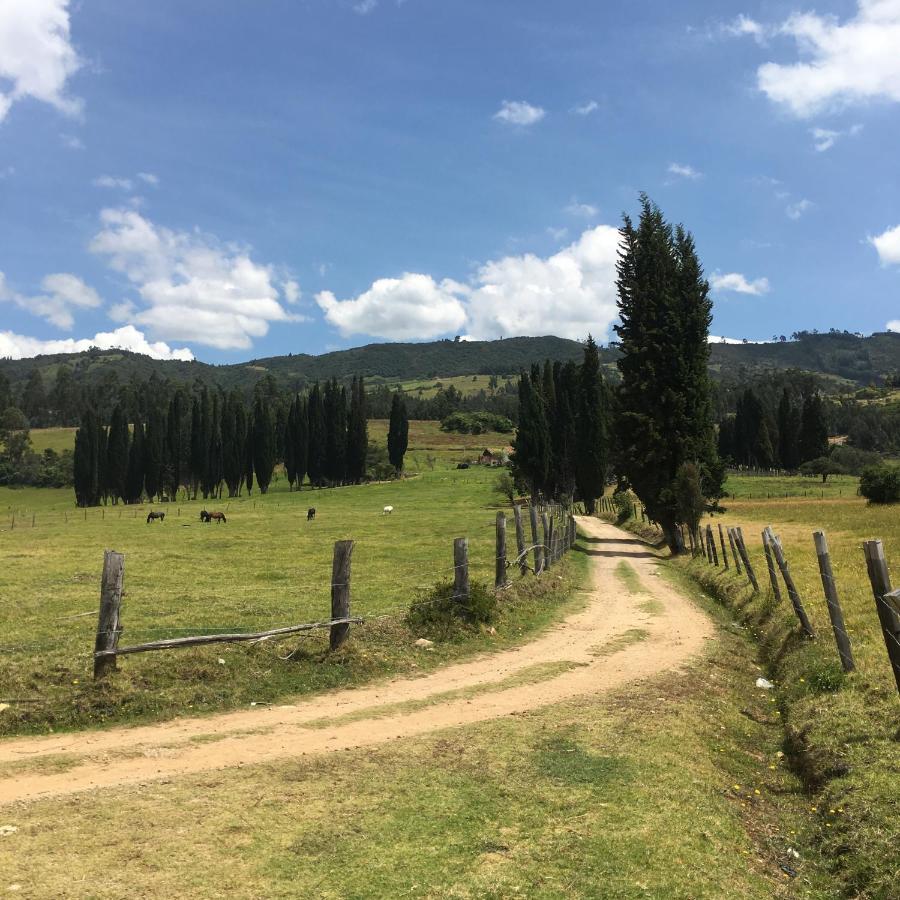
x=214 y=442
x=561 y=446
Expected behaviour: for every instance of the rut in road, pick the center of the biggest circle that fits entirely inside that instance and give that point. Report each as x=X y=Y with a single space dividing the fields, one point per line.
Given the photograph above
x=584 y=646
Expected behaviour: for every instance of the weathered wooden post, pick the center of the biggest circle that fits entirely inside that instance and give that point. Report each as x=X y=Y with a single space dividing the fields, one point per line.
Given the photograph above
x=734 y=553
x=110 y=604
x=724 y=551
x=545 y=525
x=340 y=592
x=886 y=601
x=712 y=545
x=520 y=539
x=841 y=638
x=549 y=551
x=538 y=552
x=793 y=593
x=770 y=565
x=745 y=558
x=500 y=561
x=461 y=571
x=701 y=542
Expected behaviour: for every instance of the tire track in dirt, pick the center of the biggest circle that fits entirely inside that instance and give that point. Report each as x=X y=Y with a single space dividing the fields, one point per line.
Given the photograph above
x=675 y=630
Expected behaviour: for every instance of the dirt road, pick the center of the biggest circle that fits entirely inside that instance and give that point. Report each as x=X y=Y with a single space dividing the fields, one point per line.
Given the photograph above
x=618 y=637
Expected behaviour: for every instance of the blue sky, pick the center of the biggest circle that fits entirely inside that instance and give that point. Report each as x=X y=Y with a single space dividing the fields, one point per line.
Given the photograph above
x=243 y=178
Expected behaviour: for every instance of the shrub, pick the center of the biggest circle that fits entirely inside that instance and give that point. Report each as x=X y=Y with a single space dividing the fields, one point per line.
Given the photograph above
x=438 y=613
x=880 y=484
x=476 y=423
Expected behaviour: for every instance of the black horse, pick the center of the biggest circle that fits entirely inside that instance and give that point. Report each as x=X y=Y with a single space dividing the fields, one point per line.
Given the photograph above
x=209 y=516
x=310 y=514
x=155 y=515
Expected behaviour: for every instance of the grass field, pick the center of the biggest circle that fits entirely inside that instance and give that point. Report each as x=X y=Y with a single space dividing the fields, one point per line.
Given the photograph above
x=265 y=568
x=57 y=439
x=842 y=730
x=764 y=487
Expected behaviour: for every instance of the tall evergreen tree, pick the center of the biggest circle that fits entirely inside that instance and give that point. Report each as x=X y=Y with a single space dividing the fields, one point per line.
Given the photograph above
x=248 y=454
x=198 y=446
x=216 y=463
x=290 y=454
x=531 y=446
x=34 y=399
x=263 y=442
x=813 y=429
x=117 y=456
x=300 y=437
x=664 y=413
x=335 y=398
x=592 y=429
x=134 y=479
x=6 y=399
x=317 y=436
x=357 y=433
x=398 y=433
x=234 y=438
x=65 y=399
x=788 y=432
x=154 y=452
x=564 y=429
x=86 y=472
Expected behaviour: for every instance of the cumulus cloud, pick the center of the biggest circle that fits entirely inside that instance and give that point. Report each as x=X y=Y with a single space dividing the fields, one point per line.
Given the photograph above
x=36 y=54
x=61 y=292
x=888 y=246
x=113 y=181
x=190 y=286
x=825 y=138
x=585 y=109
x=738 y=283
x=518 y=112
x=843 y=63
x=18 y=346
x=796 y=210
x=581 y=210
x=684 y=171
x=364 y=7
x=745 y=26
x=893 y=325
x=410 y=307
x=148 y=178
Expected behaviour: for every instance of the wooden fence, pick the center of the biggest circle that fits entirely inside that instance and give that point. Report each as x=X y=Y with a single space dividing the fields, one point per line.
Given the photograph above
x=557 y=537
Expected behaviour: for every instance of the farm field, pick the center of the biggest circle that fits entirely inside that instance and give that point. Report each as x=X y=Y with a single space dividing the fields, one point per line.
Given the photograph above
x=265 y=568
x=765 y=487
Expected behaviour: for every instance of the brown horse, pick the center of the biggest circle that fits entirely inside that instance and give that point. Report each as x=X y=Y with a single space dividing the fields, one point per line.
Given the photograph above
x=155 y=515
x=209 y=516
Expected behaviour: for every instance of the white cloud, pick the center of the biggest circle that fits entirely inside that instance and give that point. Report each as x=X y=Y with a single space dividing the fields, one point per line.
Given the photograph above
x=585 y=109
x=36 y=55
x=684 y=171
x=844 y=63
x=738 y=283
x=558 y=234
x=796 y=210
x=148 y=178
x=193 y=288
x=62 y=292
x=291 y=291
x=893 y=325
x=581 y=210
x=410 y=307
x=570 y=293
x=113 y=181
x=888 y=246
x=825 y=138
x=518 y=112
x=18 y=346
x=743 y=25
x=364 y=7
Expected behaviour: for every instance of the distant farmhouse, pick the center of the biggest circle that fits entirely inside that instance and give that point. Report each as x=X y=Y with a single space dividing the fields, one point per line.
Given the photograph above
x=494 y=457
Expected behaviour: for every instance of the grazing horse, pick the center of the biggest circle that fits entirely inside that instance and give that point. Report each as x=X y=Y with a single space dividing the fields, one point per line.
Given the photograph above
x=387 y=510
x=310 y=514
x=155 y=515
x=209 y=516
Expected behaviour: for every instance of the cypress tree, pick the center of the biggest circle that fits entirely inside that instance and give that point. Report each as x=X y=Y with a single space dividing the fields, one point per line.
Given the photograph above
x=357 y=433
x=531 y=445
x=134 y=479
x=154 y=446
x=216 y=463
x=117 y=456
x=301 y=441
x=788 y=432
x=248 y=454
x=813 y=429
x=173 y=468
x=335 y=401
x=290 y=457
x=398 y=433
x=664 y=412
x=234 y=437
x=102 y=476
x=86 y=471
x=564 y=432
x=317 y=436
x=592 y=432
x=263 y=442
x=198 y=450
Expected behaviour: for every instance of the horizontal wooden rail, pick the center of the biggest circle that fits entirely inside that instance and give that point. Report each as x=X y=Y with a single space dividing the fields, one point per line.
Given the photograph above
x=173 y=643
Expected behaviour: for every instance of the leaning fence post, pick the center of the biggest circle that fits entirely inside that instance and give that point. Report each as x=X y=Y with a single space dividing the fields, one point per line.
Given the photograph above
x=770 y=565
x=545 y=524
x=538 y=554
x=886 y=601
x=712 y=544
x=722 y=542
x=500 y=561
x=841 y=638
x=745 y=558
x=110 y=603
x=734 y=553
x=793 y=593
x=520 y=539
x=340 y=592
x=461 y=571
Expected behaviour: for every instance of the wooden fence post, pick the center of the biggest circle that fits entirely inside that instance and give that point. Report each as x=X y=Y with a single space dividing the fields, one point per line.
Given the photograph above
x=545 y=524
x=724 y=551
x=110 y=603
x=500 y=562
x=701 y=542
x=841 y=638
x=461 y=571
x=745 y=558
x=712 y=545
x=886 y=601
x=793 y=593
x=520 y=539
x=770 y=565
x=538 y=554
x=734 y=553
x=340 y=592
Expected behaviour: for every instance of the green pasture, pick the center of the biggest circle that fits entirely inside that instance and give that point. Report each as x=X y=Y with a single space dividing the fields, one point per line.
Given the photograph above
x=801 y=487
x=265 y=568
x=425 y=388
x=57 y=439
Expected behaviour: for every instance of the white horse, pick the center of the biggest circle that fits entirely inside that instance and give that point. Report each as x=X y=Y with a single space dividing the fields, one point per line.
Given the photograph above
x=387 y=510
